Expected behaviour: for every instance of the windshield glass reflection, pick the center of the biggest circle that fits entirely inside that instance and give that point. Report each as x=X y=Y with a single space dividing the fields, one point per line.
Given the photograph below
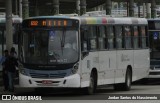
x=50 y=46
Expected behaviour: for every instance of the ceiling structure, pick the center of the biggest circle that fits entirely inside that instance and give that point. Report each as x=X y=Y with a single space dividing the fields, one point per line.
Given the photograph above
x=2 y=6
x=90 y=3
x=66 y=6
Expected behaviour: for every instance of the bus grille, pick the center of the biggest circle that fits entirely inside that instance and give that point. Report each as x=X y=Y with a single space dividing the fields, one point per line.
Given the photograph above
x=154 y=73
x=38 y=75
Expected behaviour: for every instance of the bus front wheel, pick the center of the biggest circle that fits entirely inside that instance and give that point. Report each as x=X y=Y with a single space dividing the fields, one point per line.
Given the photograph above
x=92 y=85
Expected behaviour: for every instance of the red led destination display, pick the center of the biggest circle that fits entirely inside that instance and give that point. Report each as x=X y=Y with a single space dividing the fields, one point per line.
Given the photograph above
x=49 y=23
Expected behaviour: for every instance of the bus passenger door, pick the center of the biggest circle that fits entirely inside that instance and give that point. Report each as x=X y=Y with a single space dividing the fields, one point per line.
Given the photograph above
x=89 y=60
x=89 y=53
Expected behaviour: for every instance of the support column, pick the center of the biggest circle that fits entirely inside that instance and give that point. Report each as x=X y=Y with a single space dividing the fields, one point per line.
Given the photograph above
x=82 y=7
x=9 y=34
x=37 y=9
x=131 y=8
x=148 y=10
x=16 y=7
x=78 y=7
x=144 y=10
x=127 y=8
x=25 y=9
x=55 y=10
x=139 y=10
x=153 y=9
x=108 y=7
x=2 y=42
x=20 y=8
x=98 y=8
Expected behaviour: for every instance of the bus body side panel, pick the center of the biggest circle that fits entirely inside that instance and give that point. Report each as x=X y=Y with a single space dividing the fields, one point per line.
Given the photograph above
x=124 y=59
x=141 y=64
x=88 y=63
x=107 y=67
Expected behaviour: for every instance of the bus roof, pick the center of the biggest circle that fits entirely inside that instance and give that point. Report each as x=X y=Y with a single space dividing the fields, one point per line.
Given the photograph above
x=112 y=20
x=85 y=20
x=48 y=17
x=153 y=19
x=14 y=19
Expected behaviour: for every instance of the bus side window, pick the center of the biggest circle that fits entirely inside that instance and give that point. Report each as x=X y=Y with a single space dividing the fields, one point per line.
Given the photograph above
x=135 y=37
x=119 y=37
x=83 y=33
x=143 y=36
x=128 y=39
x=147 y=36
x=92 y=37
x=111 y=37
x=102 y=41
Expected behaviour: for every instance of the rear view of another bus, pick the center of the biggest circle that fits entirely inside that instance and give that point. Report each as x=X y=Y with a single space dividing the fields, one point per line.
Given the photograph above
x=154 y=38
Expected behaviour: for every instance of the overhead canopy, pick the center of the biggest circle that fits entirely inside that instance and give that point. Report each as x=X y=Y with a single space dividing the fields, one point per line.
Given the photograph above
x=70 y=4
x=64 y=5
x=90 y=3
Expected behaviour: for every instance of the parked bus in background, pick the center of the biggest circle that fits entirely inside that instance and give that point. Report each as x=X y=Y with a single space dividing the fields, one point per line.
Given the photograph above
x=83 y=52
x=154 y=38
x=16 y=25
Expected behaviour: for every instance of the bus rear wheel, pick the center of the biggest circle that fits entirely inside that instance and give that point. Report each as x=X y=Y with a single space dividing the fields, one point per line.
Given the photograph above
x=128 y=80
x=126 y=86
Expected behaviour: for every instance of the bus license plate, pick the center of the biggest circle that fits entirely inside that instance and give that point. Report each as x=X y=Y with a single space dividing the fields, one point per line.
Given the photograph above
x=46 y=82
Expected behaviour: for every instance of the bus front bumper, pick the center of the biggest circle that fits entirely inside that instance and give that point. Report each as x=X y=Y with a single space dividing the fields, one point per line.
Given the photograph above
x=72 y=81
x=154 y=74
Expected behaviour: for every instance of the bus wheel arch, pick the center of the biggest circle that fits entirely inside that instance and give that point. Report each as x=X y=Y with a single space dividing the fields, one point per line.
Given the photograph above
x=91 y=89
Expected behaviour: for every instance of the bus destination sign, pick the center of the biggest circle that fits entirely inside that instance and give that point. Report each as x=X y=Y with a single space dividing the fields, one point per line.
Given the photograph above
x=50 y=23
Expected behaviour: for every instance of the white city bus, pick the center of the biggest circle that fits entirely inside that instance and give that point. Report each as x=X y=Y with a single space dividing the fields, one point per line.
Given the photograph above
x=83 y=52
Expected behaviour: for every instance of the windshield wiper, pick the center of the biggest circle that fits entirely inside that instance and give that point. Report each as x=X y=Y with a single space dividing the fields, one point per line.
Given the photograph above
x=63 y=38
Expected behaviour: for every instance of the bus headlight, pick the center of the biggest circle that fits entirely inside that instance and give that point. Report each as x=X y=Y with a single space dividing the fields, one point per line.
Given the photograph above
x=22 y=69
x=75 y=68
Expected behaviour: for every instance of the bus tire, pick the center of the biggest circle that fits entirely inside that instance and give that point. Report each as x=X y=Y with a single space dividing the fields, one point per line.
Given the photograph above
x=92 y=85
x=126 y=86
x=128 y=80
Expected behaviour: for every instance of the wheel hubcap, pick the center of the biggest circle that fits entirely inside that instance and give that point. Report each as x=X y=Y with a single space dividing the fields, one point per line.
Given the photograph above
x=128 y=80
x=91 y=85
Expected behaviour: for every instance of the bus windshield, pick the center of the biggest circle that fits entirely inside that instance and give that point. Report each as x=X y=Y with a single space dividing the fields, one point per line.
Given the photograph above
x=58 y=46
x=154 y=44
